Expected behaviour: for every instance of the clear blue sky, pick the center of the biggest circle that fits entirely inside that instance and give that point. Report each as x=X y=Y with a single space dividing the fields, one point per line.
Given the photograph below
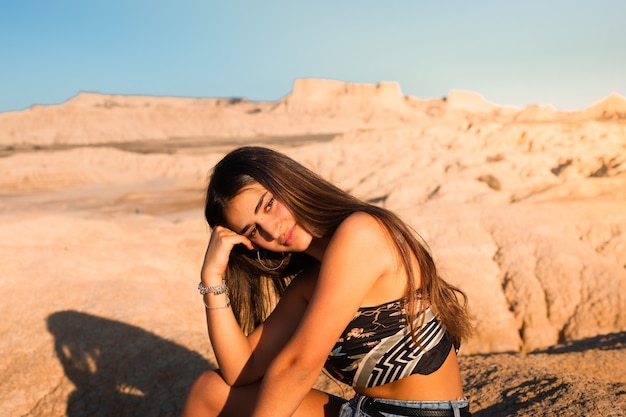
x=568 y=53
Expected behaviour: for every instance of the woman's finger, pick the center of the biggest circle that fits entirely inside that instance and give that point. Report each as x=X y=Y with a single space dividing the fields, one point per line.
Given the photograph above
x=218 y=251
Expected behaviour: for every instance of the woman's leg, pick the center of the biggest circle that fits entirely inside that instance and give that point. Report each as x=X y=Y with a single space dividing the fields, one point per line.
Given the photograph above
x=211 y=396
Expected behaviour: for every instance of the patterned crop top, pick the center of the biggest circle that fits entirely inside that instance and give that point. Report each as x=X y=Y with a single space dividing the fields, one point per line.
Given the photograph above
x=376 y=347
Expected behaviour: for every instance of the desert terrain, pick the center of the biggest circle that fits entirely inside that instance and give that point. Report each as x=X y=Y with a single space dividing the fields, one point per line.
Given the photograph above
x=102 y=237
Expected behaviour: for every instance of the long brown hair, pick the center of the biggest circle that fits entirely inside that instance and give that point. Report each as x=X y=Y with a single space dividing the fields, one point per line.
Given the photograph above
x=319 y=207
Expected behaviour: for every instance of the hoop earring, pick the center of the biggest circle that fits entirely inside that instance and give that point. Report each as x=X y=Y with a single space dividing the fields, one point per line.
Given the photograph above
x=258 y=256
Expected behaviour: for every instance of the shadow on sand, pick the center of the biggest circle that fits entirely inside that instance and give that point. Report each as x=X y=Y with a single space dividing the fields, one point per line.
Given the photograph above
x=121 y=370
x=524 y=388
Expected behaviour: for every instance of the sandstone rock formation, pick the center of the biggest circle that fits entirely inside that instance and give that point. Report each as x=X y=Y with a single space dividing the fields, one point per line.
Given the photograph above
x=102 y=233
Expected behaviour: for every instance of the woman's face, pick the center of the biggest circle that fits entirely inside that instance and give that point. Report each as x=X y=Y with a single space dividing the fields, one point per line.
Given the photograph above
x=267 y=222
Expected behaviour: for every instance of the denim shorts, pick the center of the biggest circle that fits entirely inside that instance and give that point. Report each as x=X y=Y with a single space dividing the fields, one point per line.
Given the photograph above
x=357 y=406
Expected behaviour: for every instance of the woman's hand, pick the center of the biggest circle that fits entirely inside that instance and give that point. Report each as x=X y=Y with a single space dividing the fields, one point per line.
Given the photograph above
x=216 y=257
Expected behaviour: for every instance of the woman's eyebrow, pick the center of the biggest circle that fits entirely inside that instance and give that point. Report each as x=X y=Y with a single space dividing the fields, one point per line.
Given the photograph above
x=256 y=210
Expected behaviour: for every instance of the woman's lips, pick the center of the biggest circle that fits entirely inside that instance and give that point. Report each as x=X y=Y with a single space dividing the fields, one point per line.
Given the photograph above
x=289 y=237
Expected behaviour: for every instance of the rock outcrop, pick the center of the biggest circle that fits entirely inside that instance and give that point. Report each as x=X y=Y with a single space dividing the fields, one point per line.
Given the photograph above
x=101 y=229
x=315 y=107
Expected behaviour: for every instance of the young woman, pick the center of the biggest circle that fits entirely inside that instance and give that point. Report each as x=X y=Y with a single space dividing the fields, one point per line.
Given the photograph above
x=357 y=293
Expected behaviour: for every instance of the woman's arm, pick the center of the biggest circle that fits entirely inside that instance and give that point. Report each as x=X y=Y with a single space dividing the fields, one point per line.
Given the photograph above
x=359 y=253
x=243 y=360
x=267 y=340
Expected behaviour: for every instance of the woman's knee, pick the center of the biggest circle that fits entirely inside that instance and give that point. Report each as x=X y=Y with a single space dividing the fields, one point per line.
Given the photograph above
x=208 y=393
x=211 y=377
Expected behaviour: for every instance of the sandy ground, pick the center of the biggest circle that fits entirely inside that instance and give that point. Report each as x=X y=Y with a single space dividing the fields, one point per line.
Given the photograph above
x=585 y=377
x=116 y=357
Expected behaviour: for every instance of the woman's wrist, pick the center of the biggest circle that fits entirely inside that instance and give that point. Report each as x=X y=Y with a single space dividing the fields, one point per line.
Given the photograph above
x=211 y=278
x=215 y=297
x=216 y=302
x=212 y=289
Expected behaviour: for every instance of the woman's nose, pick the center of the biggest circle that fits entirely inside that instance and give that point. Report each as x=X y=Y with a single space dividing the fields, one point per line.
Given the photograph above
x=270 y=228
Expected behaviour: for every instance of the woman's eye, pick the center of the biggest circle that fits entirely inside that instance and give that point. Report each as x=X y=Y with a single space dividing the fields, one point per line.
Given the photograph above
x=252 y=233
x=269 y=205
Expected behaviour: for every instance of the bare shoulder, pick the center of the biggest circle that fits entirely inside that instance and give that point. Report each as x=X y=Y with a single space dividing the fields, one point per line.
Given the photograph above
x=363 y=228
x=361 y=221
x=362 y=240
x=365 y=247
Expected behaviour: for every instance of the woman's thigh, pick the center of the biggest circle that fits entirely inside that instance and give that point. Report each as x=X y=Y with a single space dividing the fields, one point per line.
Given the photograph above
x=211 y=396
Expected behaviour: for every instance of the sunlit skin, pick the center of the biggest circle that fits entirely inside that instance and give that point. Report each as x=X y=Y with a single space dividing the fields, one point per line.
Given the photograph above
x=269 y=224
x=272 y=370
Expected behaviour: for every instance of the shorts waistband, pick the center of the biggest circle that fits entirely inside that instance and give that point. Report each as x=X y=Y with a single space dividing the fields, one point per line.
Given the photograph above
x=375 y=409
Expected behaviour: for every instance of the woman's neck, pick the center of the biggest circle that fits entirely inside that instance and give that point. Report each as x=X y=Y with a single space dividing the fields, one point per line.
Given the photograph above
x=317 y=248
